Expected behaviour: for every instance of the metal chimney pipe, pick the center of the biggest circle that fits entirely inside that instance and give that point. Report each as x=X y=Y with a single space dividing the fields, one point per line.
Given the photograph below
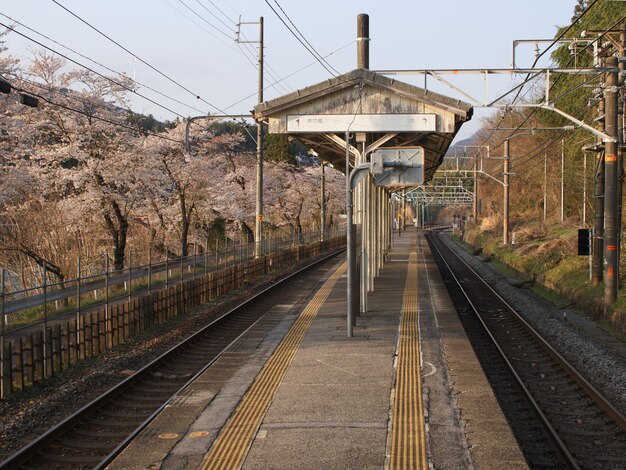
x=363 y=41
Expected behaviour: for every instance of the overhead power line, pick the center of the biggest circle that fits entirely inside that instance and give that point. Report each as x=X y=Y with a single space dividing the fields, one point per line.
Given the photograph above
x=291 y=74
x=229 y=27
x=137 y=57
x=95 y=116
x=310 y=50
x=303 y=37
x=555 y=41
x=204 y=19
x=109 y=79
x=148 y=87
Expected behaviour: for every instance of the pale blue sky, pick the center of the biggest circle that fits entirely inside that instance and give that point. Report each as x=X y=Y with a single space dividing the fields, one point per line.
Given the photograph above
x=404 y=34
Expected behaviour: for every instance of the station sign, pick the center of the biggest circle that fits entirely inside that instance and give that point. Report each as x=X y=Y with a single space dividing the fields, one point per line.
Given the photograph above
x=398 y=166
x=361 y=123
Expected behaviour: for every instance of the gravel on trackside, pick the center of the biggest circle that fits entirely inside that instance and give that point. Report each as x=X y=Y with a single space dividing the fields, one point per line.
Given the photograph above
x=603 y=367
x=27 y=414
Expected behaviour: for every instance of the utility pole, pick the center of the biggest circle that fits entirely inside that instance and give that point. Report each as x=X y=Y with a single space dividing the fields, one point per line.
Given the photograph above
x=562 y=180
x=598 y=202
x=620 y=136
x=475 y=205
x=611 y=181
x=259 y=153
x=584 y=189
x=323 y=205
x=545 y=185
x=505 y=217
x=259 y=141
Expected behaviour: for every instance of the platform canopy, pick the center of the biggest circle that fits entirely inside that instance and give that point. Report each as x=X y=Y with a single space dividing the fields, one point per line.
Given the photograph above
x=380 y=111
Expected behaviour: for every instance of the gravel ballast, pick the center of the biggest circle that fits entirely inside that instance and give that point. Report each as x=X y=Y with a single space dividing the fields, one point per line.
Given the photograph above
x=580 y=341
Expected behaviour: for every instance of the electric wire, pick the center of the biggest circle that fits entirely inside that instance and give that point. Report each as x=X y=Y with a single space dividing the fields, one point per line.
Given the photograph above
x=164 y=75
x=250 y=56
x=555 y=41
x=210 y=33
x=93 y=116
x=298 y=39
x=291 y=74
x=303 y=37
x=111 y=80
x=570 y=91
x=204 y=19
x=221 y=11
x=215 y=16
x=529 y=115
x=98 y=63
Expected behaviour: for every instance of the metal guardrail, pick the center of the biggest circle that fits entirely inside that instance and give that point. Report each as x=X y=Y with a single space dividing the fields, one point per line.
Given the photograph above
x=33 y=352
x=28 y=307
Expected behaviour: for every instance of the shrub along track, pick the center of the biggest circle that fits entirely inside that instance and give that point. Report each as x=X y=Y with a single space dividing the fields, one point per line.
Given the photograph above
x=92 y=436
x=559 y=419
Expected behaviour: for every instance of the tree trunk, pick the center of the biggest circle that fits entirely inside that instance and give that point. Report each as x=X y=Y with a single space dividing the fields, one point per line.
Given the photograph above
x=247 y=231
x=117 y=226
x=185 y=221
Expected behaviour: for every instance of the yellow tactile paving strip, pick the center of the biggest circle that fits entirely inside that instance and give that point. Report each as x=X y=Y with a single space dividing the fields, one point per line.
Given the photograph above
x=408 y=435
x=229 y=449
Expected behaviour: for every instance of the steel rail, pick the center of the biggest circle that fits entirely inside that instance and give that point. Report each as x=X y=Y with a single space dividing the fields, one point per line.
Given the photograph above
x=591 y=391
x=26 y=453
x=554 y=436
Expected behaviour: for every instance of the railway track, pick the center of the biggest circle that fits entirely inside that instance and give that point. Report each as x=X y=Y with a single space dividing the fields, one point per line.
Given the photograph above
x=558 y=418
x=94 y=435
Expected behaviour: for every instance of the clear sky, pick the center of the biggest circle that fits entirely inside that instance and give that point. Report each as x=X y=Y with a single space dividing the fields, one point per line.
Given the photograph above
x=183 y=45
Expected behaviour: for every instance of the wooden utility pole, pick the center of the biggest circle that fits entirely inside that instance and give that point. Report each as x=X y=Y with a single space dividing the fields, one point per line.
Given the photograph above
x=259 y=154
x=505 y=215
x=611 y=182
x=598 y=202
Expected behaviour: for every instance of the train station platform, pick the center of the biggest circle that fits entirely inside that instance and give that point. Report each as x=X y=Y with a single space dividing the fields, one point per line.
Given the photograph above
x=295 y=393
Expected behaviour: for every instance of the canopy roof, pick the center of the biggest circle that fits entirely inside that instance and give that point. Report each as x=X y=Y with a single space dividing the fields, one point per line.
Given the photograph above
x=384 y=111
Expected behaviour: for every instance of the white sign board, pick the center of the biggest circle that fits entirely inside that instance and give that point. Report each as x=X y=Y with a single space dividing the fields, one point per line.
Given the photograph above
x=361 y=122
x=407 y=166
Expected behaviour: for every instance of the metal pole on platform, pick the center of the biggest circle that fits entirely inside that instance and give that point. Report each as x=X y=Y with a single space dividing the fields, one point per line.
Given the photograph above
x=611 y=224
x=351 y=287
x=350 y=241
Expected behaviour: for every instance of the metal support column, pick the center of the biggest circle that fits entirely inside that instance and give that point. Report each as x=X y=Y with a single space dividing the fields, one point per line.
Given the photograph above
x=352 y=287
x=505 y=216
x=364 y=241
x=611 y=225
